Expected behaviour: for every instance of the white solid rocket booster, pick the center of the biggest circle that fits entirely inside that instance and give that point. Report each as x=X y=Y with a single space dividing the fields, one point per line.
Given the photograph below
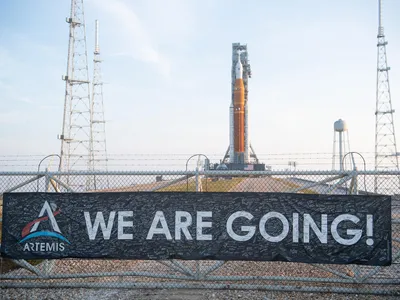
x=231 y=134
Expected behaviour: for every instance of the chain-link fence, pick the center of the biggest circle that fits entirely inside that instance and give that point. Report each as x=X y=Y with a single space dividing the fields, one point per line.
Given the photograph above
x=245 y=275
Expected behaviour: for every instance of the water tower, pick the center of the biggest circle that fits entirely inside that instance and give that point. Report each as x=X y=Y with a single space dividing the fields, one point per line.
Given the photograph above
x=341 y=143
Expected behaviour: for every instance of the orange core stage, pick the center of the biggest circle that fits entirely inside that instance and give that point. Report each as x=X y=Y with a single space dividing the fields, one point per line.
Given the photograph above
x=238 y=107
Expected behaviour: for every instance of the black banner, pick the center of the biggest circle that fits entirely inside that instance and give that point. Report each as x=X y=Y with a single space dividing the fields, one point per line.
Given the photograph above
x=332 y=229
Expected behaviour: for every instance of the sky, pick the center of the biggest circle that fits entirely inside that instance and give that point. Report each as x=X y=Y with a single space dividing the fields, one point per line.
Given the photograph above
x=166 y=67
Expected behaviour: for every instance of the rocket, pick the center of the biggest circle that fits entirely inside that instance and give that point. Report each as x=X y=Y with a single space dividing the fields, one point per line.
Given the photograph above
x=238 y=110
x=238 y=151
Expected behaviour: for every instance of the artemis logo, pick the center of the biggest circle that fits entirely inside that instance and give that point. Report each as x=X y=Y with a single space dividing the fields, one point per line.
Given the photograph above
x=31 y=231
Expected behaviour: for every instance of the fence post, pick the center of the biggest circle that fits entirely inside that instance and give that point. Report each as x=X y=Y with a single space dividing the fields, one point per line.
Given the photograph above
x=198 y=187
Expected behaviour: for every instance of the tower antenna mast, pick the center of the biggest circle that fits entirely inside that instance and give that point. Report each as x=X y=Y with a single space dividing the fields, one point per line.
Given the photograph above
x=76 y=128
x=386 y=156
x=98 y=150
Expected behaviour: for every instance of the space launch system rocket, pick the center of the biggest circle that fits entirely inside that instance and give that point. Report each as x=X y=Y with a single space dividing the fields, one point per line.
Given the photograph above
x=238 y=116
x=240 y=154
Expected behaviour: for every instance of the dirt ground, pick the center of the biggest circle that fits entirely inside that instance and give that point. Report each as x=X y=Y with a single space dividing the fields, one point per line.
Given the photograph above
x=103 y=294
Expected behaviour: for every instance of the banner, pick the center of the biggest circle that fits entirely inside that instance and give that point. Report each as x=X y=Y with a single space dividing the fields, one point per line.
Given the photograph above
x=331 y=229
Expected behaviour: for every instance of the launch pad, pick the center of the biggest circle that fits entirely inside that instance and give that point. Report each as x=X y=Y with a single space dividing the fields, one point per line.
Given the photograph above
x=245 y=167
x=240 y=155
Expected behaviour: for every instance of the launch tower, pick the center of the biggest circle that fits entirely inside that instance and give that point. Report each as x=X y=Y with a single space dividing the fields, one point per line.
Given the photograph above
x=240 y=154
x=98 y=150
x=76 y=129
x=386 y=156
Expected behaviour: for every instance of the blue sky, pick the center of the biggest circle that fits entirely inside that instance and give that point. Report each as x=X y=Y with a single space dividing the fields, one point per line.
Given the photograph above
x=167 y=68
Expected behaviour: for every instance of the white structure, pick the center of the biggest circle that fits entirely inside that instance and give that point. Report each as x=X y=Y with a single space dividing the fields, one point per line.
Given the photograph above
x=386 y=155
x=76 y=126
x=98 y=148
x=341 y=144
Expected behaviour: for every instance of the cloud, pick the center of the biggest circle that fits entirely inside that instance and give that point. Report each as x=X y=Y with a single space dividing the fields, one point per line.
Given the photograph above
x=137 y=41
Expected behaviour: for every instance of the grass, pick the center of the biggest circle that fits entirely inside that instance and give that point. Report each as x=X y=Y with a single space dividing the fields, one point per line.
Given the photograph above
x=223 y=185
x=208 y=185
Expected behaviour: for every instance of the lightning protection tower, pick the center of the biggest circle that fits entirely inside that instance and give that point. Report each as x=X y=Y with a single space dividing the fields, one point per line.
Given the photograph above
x=98 y=149
x=76 y=129
x=385 y=139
